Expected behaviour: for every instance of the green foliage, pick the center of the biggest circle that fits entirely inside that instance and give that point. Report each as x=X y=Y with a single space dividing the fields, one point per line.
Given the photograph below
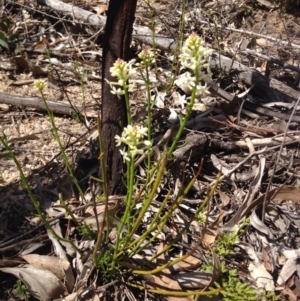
x=207 y=267
x=235 y=290
x=271 y=296
x=3 y=40
x=7 y=37
x=225 y=243
x=87 y=230
x=248 y=10
x=21 y=290
x=104 y=265
x=201 y=217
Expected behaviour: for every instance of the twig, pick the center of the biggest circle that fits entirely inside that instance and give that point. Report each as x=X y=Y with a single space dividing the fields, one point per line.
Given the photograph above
x=251 y=33
x=277 y=160
x=258 y=152
x=272 y=60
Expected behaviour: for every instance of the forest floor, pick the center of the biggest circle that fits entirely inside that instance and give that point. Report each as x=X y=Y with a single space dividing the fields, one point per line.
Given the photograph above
x=256 y=148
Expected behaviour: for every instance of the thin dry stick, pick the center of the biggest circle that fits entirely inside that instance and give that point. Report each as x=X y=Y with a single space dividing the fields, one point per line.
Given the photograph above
x=277 y=160
x=255 y=34
x=258 y=152
x=271 y=60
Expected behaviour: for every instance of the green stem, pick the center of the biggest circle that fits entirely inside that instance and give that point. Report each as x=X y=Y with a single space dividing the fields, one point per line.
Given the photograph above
x=35 y=202
x=127 y=214
x=151 y=195
x=175 y=62
x=61 y=147
x=149 y=117
x=130 y=192
x=101 y=159
x=68 y=211
x=154 y=225
x=187 y=116
x=127 y=106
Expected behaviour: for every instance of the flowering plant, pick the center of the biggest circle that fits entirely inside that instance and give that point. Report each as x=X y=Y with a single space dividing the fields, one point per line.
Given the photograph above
x=133 y=137
x=147 y=57
x=195 y=56
x=122 y=71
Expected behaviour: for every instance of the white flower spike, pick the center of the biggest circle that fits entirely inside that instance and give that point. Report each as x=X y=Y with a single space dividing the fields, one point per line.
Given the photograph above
x=133 y=136
x=122 y=71
x=195 y=57
x=147 y=57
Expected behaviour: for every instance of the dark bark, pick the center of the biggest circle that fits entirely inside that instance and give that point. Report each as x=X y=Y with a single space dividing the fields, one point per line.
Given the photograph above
x=116 y=44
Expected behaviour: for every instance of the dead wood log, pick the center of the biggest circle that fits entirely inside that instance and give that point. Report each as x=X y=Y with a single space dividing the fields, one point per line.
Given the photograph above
x=38 y=103
x=75 y=12
x=265 y=89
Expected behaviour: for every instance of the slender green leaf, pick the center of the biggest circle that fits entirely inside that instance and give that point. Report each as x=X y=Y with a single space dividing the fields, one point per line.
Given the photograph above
x=3 y=40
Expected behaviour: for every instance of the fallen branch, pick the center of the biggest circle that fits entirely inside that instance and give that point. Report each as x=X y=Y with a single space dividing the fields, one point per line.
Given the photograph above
x=38 y=103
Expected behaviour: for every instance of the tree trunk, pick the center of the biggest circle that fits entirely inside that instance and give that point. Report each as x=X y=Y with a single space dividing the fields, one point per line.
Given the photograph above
x=116 y=44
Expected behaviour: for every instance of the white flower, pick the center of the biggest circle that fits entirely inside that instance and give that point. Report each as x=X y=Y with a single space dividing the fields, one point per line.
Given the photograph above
x=133 y=136
x=202 y=90
x=119 y=140
x=122 y=71
x=194 y=55
x=147 y=57
x=131 y=87
x=190 y=81
x=40 y=85
x=147 y=143
x=133 y=152
x=117 y=92
x=182 y=101
x=124 y=154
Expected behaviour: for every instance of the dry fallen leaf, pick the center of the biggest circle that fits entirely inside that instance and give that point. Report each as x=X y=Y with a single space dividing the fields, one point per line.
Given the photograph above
x=90 y=219
x=210 y=232
x=267 y=259
x=59 y=267
x=287 y=271
x=188 y=263
x=42 y=284
x=264 y=280
x=164 y=280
